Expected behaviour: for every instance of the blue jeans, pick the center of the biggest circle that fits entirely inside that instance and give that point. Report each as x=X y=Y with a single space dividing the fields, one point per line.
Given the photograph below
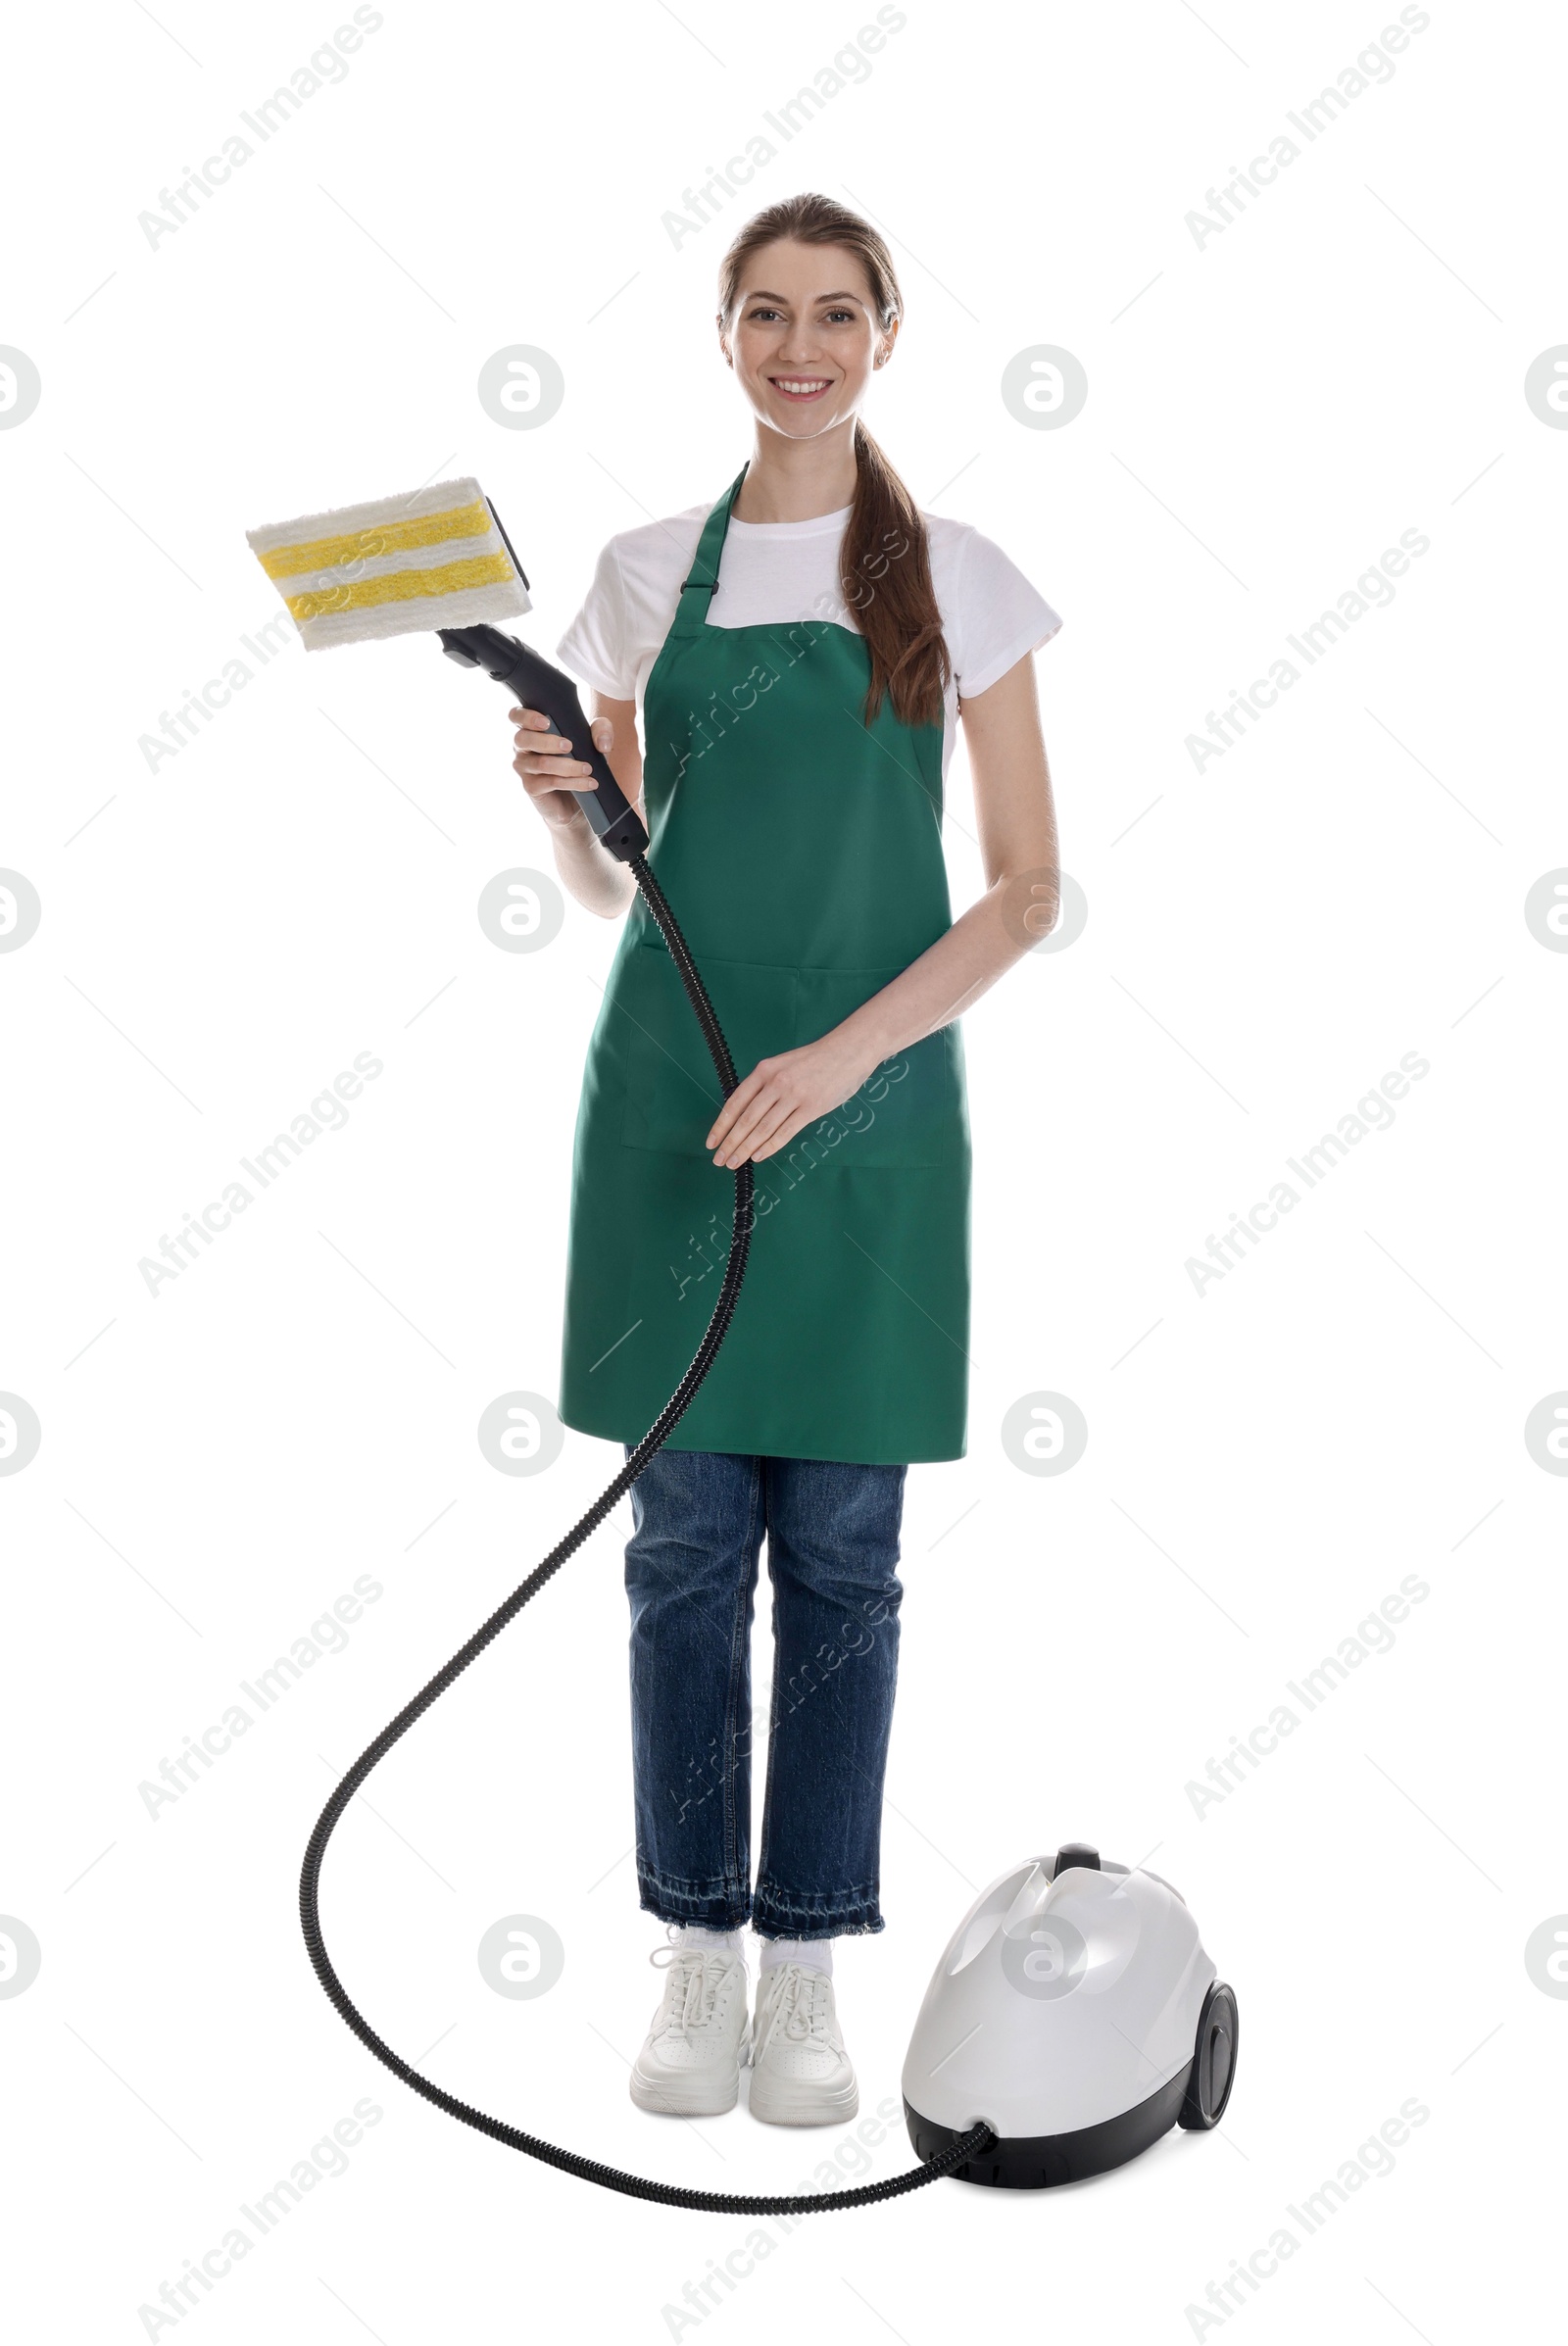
x=832 y=1532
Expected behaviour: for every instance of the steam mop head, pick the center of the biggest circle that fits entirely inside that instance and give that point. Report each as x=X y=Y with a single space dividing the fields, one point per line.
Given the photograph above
x=438 y=559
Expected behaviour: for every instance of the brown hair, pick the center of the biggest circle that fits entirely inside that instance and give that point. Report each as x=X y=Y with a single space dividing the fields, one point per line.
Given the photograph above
x=885 y=561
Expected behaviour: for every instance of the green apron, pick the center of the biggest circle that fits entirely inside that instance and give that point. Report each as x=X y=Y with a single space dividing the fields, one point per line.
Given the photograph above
x=801 y=852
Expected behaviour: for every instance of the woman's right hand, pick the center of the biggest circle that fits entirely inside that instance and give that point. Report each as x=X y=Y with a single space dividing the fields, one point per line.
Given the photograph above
x=549 y=772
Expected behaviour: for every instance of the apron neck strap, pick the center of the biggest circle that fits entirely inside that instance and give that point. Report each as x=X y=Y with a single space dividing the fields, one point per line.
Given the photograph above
x=703 y=577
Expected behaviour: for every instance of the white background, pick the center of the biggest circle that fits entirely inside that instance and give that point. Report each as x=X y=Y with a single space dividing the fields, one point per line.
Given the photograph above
x=1267 y=412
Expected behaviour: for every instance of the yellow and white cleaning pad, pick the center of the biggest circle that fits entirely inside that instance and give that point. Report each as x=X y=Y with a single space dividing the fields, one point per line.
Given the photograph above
x=438 y=559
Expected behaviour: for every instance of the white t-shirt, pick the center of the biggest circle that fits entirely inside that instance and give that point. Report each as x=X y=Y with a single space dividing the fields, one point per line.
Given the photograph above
x=774 y=572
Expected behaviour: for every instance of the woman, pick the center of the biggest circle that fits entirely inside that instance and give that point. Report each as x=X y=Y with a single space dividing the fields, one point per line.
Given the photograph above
x=802 y=649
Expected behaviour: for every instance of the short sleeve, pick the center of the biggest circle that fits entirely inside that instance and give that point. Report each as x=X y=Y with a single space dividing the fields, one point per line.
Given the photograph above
x=1000 y=617
x=595 y=646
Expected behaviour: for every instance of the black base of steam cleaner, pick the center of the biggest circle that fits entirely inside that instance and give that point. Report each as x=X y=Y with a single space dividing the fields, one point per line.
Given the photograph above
x=1016 y=2075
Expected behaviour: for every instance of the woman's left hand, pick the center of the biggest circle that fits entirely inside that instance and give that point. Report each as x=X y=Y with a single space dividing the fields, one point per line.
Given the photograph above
x=783 y=1095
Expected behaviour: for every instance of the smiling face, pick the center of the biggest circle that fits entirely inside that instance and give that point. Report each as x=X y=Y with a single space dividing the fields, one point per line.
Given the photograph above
x=805 y=336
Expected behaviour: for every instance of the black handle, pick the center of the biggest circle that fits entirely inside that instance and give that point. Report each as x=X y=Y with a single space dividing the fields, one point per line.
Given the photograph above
x=537 y=685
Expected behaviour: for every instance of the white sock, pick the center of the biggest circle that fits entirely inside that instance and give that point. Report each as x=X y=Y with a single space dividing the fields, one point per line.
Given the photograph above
x=693 y=1937
x=815 y=1954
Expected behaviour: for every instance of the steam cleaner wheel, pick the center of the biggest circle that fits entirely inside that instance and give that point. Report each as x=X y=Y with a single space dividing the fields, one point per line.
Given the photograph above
x=1209 y=2088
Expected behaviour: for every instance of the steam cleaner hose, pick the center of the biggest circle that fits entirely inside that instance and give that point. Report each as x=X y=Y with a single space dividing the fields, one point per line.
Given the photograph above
x=611 y=2179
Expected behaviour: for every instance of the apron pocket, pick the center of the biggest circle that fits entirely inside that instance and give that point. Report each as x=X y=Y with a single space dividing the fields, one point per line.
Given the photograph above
x=673 y=1087
x=910 y=1111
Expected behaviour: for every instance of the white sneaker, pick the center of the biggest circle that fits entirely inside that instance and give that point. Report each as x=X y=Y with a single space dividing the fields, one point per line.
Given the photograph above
x=801 y=2074
x=689 y=2066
